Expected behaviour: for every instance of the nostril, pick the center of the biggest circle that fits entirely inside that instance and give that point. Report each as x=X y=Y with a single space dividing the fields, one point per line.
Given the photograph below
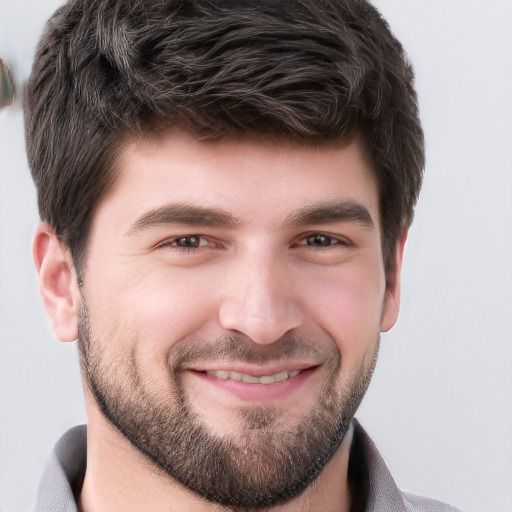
x=260 y=328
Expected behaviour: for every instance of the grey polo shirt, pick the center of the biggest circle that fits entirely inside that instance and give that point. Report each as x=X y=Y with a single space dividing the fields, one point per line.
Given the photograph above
x=374 y=488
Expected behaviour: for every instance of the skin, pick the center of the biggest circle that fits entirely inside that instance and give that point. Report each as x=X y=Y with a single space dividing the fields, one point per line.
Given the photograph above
x=273 y=271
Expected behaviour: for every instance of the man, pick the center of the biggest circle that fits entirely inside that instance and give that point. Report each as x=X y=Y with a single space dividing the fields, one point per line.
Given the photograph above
x=225 y=190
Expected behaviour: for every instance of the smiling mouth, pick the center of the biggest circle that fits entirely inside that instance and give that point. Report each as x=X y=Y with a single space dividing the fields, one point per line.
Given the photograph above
x=251 y=379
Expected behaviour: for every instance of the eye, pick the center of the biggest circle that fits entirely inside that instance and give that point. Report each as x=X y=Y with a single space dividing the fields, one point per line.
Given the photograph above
x=319 y=240
x=188 y=242
x=185 y=242
x=323 y=240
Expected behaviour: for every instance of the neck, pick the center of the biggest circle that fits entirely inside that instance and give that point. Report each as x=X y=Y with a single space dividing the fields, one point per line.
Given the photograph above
x=119 y=478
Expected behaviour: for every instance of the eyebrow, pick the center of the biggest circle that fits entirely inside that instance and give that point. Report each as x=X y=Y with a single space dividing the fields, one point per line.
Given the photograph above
x=184 y=214
x=331 y=212
x=192 y=215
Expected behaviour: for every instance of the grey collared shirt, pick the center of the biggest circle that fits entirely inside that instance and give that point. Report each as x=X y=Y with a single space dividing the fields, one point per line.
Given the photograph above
x=372 y=485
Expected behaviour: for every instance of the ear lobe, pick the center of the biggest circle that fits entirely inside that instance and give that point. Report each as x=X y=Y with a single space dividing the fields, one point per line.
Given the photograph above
x=57 y=282
x=391 y=305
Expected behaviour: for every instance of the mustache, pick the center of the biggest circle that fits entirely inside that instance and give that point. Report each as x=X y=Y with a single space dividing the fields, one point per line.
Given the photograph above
x=235 y=348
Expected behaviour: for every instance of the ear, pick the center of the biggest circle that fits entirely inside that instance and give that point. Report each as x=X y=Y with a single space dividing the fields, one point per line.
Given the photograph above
x=57 y=282
x=391 y=305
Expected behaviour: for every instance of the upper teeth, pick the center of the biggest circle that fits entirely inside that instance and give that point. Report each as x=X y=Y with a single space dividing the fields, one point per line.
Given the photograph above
x=251 y=379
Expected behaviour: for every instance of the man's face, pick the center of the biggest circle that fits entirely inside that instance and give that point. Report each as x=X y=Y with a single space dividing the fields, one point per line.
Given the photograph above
x=232 y=302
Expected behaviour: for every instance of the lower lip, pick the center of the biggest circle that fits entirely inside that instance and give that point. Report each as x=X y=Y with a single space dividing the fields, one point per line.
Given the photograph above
x=259 y=392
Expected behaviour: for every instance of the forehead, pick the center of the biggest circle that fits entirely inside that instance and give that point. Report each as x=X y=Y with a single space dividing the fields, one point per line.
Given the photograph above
x=252 y=177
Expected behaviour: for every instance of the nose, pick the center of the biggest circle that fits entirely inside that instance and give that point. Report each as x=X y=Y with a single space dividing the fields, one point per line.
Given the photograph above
x=259 y=302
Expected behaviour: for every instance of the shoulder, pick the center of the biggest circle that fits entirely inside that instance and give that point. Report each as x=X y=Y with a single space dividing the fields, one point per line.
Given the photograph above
x=371 y=478
x=416 y=503
x=63 y=473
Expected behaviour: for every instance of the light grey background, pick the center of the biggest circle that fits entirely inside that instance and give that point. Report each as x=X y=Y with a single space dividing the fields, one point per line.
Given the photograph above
x=440 y=406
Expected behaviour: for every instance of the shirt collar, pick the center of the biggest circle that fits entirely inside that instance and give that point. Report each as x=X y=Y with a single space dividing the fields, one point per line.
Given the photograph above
x=371 y=484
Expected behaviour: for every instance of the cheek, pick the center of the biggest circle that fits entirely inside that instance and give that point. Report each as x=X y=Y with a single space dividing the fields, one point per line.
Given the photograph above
x=348 y=307
x=151 y=306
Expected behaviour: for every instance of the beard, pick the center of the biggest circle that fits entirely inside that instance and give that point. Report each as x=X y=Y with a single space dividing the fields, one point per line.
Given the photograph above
x=262 y=463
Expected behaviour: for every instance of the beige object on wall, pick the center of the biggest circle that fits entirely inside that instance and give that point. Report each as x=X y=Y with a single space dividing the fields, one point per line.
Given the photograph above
x=6 y=86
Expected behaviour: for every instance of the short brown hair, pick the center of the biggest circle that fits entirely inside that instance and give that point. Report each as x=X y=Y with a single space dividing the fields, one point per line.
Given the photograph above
x=304 y=70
